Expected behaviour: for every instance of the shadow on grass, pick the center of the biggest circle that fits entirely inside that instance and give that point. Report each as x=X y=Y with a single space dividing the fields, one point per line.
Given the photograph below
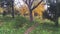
x=46 y=28
x=49 y=26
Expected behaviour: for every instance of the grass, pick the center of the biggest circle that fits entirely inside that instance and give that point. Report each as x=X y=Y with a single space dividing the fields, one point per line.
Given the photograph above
x=19 y=25
x=46 y=29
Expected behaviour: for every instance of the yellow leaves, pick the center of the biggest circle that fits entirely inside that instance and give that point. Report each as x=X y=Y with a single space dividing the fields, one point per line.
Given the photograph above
x=1 y=10
x=22 y=9
x=39 y=10
x=40 y=7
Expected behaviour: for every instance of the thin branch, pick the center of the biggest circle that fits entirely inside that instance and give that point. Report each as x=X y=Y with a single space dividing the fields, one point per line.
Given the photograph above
x=25 y=1
x=29 y=3
x=37 y=5
x=32 y=2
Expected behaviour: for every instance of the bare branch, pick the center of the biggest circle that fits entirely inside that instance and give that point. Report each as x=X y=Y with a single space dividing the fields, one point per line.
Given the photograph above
x=32 y=2
x=29 y=1
x=37 y=5
x=25 y=1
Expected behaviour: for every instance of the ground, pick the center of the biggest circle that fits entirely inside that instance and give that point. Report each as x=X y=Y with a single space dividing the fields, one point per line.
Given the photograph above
x=19 y=25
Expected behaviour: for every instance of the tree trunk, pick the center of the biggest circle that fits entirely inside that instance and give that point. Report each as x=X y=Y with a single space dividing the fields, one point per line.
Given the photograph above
x=12 y=14
x=56 y=22
x=12 y=9
x=31 y=16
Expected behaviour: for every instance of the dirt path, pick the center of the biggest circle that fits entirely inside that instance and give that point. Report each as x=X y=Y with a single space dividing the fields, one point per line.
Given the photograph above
x=30 y=29
x=1 y=23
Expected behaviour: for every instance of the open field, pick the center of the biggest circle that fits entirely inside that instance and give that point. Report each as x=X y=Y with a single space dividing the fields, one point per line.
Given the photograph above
x=19 y=25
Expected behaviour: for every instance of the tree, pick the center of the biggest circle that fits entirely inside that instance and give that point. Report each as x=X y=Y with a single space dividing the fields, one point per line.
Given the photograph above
x=12 y=1
x=29 y=3
x=58 y=11
x=52 y=12
x=38 y=11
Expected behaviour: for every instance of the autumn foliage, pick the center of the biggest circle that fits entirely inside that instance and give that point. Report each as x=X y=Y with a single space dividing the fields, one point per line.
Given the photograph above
x=1 y=10
x=39 y=10
x=22 y=10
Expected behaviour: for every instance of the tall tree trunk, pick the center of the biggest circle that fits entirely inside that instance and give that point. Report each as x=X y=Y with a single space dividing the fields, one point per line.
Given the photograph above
x=12 y=9
x=57 y=13
x=31 y=16
x=12 y=13
x=56 y=22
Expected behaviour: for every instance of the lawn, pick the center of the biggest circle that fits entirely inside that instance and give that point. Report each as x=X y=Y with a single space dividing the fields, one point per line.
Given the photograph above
x=19 y=25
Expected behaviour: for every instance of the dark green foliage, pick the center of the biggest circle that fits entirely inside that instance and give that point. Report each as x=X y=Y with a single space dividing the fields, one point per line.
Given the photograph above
x=17 y=22
x=20 y=21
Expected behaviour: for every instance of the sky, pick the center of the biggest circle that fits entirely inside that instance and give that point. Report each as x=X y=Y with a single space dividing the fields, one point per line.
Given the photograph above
x=18 y=3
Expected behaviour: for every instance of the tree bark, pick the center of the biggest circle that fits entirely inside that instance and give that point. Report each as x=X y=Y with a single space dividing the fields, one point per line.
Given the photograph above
x=56 y=22
x=29 y=4
x=12 y=9
x=31 y=16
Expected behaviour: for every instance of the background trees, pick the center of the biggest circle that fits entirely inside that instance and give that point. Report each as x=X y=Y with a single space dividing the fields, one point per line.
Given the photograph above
x=39 y=10
x=29 y=3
